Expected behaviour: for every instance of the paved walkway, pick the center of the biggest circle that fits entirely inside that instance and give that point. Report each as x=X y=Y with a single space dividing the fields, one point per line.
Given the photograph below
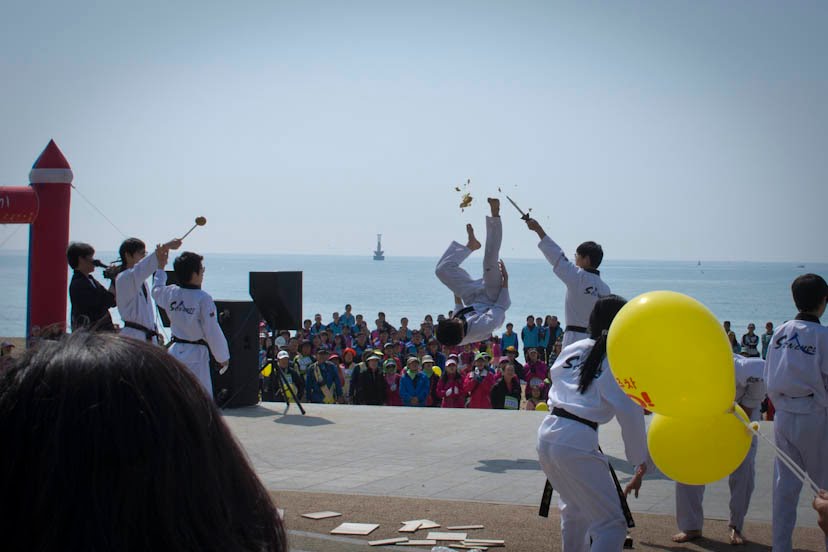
x=457 y=454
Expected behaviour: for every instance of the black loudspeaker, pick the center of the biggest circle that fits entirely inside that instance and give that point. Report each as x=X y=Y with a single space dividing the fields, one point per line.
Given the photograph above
x=279 y=298
x=238 y=386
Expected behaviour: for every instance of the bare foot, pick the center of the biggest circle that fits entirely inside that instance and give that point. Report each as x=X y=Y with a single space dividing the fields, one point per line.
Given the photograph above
x=494 y=203
x=736 y=537
x=473 y=244
x=687 y=536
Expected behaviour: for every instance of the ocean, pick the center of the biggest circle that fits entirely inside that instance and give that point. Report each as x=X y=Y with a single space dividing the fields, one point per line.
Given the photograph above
x=741 y=292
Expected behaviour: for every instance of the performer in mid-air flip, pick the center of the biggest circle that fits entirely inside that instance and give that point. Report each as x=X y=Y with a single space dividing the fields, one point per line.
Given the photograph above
x=486 y=299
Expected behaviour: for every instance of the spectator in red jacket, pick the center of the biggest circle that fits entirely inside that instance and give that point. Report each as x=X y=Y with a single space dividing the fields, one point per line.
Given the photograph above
x=478 y=383
x=450 y=386
x=535 y=367
x=534 y=394
x=392 y=381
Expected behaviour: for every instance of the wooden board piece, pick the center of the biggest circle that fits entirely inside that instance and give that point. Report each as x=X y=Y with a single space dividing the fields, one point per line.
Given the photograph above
x=486 y=542
x=425 y=523
x=442 y=536
x=420 y=542
x=395 y=540
x=410 y=526
x=461 y=527
x=470 y=547
x=321 y=515
x=355 y=529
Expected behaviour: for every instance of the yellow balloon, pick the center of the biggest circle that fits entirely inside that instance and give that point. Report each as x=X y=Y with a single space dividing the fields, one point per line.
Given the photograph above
x=697 y=451
x=670 y=355
x=437 y=371
x=542 y=406
x=267 y=370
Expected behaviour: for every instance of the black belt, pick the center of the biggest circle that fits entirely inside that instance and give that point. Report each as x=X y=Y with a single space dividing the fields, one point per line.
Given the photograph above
x=561 y=413
x=175 y=339
x=150 y=334
x=579 y=329
x=546 y=499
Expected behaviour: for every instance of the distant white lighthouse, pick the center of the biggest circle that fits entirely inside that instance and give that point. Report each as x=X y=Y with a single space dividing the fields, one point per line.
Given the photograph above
x=378 y=254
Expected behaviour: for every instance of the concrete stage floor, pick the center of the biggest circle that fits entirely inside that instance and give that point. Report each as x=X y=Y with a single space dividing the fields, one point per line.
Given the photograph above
x=448 y=454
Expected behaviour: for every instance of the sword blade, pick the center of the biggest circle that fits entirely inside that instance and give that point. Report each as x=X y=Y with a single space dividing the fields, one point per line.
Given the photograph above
x=516 y=206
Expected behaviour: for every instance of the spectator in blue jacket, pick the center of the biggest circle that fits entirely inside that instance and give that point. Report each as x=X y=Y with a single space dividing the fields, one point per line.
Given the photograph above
x=509 y=338
x=530 y=334
x=323 y=385
x=414 y=385
x=335 y=327
x=347 y=318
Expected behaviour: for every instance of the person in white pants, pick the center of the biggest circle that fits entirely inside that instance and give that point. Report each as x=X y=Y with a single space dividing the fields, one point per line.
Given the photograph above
x=193 y=319
x=487 y=298
x=750 y=391
x=582 y=279
x=584 y=394
x=796 y=372
x=131 y=293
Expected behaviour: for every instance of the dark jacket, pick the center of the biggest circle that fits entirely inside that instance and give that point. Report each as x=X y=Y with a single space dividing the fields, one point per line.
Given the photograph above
x=368 y=386
x=500 y=391
x=90 y=303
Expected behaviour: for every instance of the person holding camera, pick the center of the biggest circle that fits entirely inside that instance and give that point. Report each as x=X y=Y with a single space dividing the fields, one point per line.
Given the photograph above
x=90 y=300
x=193 y=319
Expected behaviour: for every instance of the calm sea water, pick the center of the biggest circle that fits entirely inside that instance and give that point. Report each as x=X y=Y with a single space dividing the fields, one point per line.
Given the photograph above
x=406 y=286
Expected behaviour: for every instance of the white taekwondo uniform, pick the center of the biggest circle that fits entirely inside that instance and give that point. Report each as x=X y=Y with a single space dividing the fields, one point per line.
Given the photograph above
x=796 y=372
x=193 y=318
x=133 y=301
x=750 y=391
x=486 y=300
x=569 y=455
x=583 y=289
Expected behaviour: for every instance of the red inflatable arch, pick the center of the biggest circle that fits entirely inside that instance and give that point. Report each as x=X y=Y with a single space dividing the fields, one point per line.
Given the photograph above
x=44 y=205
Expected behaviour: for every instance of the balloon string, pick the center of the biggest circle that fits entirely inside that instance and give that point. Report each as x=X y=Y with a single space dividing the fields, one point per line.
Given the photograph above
x=800 y=474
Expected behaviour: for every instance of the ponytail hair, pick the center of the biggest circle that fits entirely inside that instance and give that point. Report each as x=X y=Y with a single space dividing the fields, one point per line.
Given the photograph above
x=600 y=319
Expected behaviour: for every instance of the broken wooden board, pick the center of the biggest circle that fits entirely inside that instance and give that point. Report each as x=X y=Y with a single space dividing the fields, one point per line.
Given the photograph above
x=424 y=523
x=485 y=542
x=355 y=529
x=321 y=515
x=462 y=527
x=396 y=540
x=420 y=542
x=409 y=526
x=440 y=536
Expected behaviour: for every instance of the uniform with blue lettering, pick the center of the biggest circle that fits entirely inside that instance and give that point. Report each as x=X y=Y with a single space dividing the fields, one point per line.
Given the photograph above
x=750 y=391
x=796 y=372
x=583 y=288
x=194 y=325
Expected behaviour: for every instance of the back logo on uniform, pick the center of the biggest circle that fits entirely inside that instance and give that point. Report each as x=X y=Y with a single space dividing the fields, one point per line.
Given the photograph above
x=785 y=342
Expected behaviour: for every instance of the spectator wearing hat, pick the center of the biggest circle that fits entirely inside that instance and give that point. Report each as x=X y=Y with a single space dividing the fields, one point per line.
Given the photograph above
x=369 y=386
x=433 y=398
x=323 y=380
x=294 y=380
x=392 y=380
x=361 y=344
x=414 y=385
x=450 y=386
x=434 y=352
x=509 y=338
x=478 y=383
x=506 y=392
x=512 y=353
x=305 y=358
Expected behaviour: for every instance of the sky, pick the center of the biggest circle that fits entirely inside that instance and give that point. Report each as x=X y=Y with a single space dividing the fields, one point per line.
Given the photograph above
x=662 y=130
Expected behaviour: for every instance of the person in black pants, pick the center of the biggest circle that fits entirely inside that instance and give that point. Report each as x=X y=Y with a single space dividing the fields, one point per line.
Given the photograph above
x=90 y=300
